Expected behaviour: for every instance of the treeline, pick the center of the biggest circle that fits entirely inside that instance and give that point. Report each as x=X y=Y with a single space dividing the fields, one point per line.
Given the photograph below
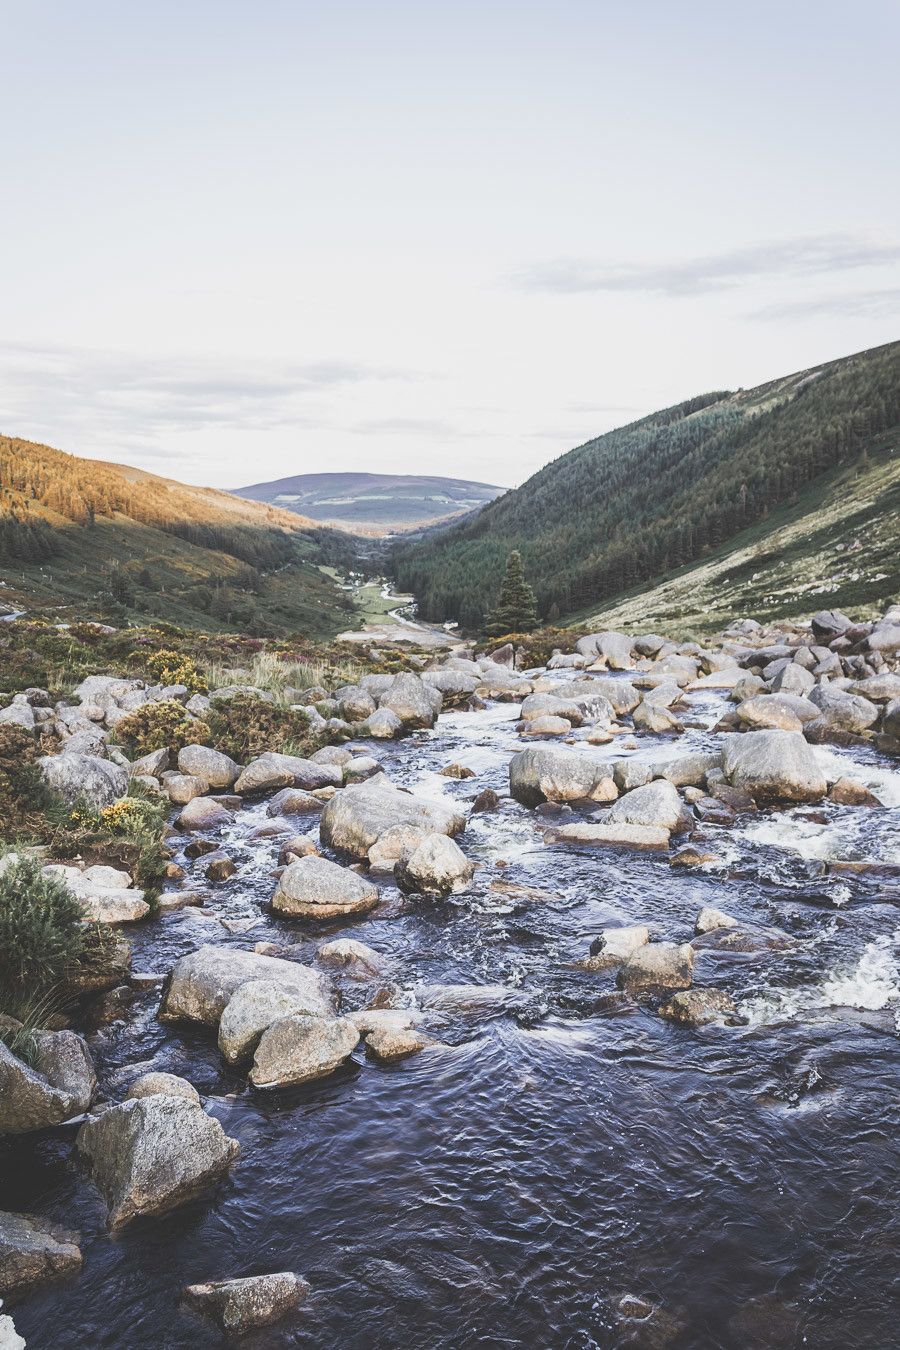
x=42 y=488
x=644 y=500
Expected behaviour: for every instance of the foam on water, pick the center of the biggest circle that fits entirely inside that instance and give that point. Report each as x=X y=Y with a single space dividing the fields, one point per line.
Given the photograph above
x=870 y=985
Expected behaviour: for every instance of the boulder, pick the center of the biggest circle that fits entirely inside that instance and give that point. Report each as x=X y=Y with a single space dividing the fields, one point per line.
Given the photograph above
x=384 y=725
x=610 y=835
x=658 y=965
x=359 y=961
x=649 y=717
x=389 y=1044
x=614 y=648
x=698 y=1007
x=74 y=777
x=394 y=844
x=881 y=688
x=297 y=1049
x=202 y=813
x=687 y=770
x=793 y=679
x=19 y=713
x=597 y=696
x=773 y=765
x=555 y=774
x=829 y=624
x=412 y=700
x=152 y=765
x=59 y=1083
x=254 y=1007
x=452 y=683
x=656 y=804
x=885 y=638
x=152 y=1154
x=355 y=704
x=437 y=866
x=354 y=819
x=548 y=705
x=219 y=770
x=32 y=1252
x=782 y=712
x=162 y=1084
x=238 y=1306
x=632 y=773
x=843 y=710
x=314 y=888
x=547 y=725
x=271 y=771
x=182 y=788
x=614 y=946
x=202 y=984
x=293 y=802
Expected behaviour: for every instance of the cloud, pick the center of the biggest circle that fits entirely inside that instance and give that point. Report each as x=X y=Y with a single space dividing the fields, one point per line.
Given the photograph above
x=102 y=399
x=411 y=426
x=856 y=304
x=802 y=257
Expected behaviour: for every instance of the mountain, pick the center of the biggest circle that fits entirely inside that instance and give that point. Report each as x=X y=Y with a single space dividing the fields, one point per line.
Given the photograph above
x=618 y=515
x=385 y=501
x=81 y=535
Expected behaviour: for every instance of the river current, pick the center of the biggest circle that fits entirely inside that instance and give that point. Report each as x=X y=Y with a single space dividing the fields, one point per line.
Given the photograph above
x=561 y=1149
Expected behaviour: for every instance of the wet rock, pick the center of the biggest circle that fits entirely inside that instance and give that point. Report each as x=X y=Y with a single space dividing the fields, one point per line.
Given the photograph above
x=692 y=856
x=198 y=848
x=150 y=1155
x=614 y=946
x=253 y=1008
x=773 y=711
x=298 y=1049
x=162 y=1084
x=698 y=1007
x=648 y=717
x=298 y=846
x=390 y=1044
x=487 y=800
x=202 y=813
x=658 y=965
x=547 y=726
x=33 y=1252
x=59 y=1084
x=847 y=792
x=458 y=771
x=765 y=1323
x=645 y=1325
x=354 y=819
x=271 y=771
x=220 y=869
x=202 y=983
x=293 y=802
x=548 y=705
x=315 y=888
x=842 y=710
x=610 y=835
x=656 y=804
x=777 y=765
x=709 y=919
x=436 y=866
x=214 y=767
x=394 y=844
x=551 y=773
x=604 y=696
x=238 y=1306
x=77 y=777
x=355 y=958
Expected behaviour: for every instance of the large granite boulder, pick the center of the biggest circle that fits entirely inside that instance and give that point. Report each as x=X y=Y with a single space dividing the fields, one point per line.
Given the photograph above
x=298 y=1049
x=314 y=888
x=202 y=983
x=88 y=778
x=215 y=768
x=271 y=771
x=656 y=804
x=59 y=1084
x=773 y=765
x=596 y=696
x=152 y=1154
x=416 y=703
x=842 y=710
x=555 y=774
x=354 y=819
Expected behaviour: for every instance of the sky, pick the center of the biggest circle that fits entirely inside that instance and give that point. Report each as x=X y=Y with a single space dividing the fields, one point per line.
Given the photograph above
x=241 y=241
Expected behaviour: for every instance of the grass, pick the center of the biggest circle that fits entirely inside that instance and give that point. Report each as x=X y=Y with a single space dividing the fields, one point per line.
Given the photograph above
x=270 y=671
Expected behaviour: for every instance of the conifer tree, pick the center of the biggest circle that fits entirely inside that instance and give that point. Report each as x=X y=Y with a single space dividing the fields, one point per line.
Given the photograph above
x=516 y=610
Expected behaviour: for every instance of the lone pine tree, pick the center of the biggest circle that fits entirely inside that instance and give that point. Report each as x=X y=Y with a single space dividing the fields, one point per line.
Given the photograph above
x=516 y=611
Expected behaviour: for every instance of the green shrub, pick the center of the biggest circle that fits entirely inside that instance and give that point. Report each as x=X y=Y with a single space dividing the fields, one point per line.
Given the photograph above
x=170 y=667
x=158 y=726
x=42 y=934
x=23 y=792
x=245 y=726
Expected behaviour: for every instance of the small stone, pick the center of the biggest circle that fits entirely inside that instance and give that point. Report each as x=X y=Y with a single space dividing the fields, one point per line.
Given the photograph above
x=241 y=1305
x=457 y=771
x=697 y=1007
x=691 y=856
x=388 y=1045
x=708 y=920
x=220 y=869
x=487 y=800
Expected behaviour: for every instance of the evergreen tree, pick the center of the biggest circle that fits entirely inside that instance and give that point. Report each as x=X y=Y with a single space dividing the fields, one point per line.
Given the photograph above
x=516 y=611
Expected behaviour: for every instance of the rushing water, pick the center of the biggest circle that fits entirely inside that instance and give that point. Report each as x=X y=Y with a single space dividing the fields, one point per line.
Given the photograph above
x=557 y=1151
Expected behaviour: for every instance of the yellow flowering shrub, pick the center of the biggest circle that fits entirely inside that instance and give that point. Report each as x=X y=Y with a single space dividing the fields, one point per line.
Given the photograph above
x=157 y=726
x=169 y=667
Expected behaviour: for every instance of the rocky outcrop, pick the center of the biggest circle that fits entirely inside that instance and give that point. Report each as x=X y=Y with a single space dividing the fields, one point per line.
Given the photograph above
x=150 y=1155
x=314 y=888
x=297 y=1049
x=354 y=819
x=238 y=1306
x=202 y=983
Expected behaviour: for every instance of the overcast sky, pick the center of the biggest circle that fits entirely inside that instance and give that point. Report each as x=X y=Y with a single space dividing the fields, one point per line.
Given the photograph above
x=243 y=240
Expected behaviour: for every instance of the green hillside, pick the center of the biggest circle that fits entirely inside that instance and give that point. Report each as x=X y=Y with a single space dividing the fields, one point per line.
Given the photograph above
x=85 y=539
x=621 y=513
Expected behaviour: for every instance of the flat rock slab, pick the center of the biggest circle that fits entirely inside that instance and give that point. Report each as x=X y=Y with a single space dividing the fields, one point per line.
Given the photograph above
x=611 y=836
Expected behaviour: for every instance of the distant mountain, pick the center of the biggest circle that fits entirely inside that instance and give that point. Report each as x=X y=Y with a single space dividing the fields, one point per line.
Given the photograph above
x=81 y=535
x=383 y=500
x=620 y=514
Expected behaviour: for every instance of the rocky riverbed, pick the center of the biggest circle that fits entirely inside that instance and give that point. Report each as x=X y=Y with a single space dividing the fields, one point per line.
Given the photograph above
x=567 y=1016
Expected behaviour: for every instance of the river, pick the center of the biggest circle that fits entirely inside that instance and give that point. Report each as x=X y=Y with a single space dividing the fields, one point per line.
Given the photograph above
x=558 y=1151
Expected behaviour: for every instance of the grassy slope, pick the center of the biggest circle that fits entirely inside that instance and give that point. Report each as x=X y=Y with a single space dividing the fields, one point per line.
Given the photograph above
x=838 y=547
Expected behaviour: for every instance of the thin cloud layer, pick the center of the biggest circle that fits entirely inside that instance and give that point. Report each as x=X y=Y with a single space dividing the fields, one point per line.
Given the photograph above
x=880 y=304
x=803 y=257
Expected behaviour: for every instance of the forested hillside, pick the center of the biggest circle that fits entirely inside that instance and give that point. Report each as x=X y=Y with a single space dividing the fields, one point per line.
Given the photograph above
x=640 y=502
x=79 y=533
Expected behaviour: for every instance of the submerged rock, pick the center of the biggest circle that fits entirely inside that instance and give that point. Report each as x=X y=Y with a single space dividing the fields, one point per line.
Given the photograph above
x=148 y=1156
x=314 y=888
x=297 y=1049
x=241 y=1305
x=33 y=1251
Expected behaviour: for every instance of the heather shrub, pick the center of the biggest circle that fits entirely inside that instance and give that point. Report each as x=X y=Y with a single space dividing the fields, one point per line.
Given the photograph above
x=245 y=726
x=170 y=667
x=158 y=726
